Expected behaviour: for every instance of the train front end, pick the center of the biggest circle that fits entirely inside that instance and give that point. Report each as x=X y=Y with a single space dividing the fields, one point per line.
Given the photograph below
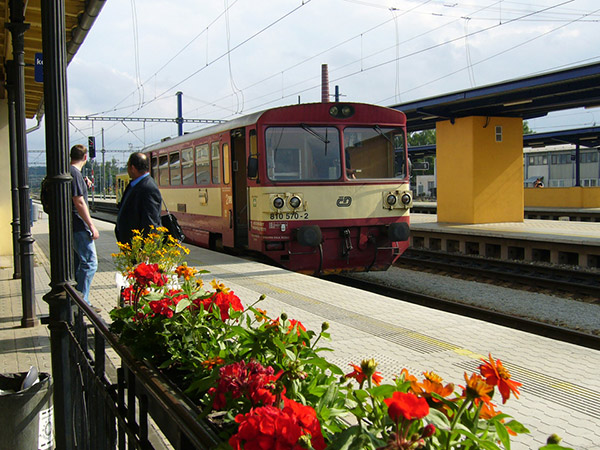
x=333 y=188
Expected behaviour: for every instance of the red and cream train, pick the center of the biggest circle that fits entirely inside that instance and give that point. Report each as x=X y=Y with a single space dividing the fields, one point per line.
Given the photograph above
x=317 y=188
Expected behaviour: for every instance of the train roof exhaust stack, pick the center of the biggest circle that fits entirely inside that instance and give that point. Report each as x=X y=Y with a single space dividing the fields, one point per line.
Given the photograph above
x=324 y=84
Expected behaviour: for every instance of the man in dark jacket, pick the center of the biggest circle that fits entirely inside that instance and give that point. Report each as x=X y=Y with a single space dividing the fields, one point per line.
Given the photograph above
x=141 y=202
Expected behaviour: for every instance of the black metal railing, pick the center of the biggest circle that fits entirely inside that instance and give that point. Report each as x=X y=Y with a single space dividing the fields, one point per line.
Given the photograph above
x=114 y=402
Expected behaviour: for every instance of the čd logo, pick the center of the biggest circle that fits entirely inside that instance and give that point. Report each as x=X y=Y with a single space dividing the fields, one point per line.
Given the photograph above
x=343 y=201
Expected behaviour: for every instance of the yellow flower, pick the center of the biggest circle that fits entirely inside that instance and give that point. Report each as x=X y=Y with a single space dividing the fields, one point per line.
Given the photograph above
x=219 y=287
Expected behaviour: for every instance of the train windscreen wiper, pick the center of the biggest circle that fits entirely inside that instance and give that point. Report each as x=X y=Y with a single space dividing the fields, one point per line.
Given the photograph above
x=381 y=133
x=314 y=133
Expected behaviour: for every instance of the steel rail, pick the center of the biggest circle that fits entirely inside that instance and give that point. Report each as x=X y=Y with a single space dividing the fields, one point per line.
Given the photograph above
x=507 y=320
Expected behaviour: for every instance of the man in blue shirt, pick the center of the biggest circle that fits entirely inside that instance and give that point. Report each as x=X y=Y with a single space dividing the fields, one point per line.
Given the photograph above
x=84 y=231
x=141 y=203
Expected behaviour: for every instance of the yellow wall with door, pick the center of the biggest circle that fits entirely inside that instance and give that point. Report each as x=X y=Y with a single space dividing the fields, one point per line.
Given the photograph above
x=480 y=178
x=5 y=196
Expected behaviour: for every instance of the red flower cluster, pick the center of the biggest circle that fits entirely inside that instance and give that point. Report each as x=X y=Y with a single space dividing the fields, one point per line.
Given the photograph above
x=163 y=306
x=269 y=427
x=407 y=406
x=221 y=300
x=252 y=381
x=147 y=274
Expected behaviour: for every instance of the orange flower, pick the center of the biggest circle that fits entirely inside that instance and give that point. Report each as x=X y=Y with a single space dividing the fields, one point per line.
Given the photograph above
x=260 y=315
x=296 y=324
x=185 y=272
x=210 y=363
x=432 y=384
x=405 y=376
x=477 y=388
x=366 y=371
x=496 y=375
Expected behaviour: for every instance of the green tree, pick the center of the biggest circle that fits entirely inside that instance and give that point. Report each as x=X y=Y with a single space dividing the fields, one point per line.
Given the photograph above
x=424 y=137
x=526 y=129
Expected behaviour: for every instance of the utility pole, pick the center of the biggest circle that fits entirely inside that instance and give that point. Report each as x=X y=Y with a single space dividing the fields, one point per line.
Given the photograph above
x=103 y=168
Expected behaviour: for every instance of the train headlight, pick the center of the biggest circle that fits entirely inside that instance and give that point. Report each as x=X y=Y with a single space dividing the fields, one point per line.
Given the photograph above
x=278 y=202
x=391 y=199
x=406 y=199
x=340 y=111
x=295 y=202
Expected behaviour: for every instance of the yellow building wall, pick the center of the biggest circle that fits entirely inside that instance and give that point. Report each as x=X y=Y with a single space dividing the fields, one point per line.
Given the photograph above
x=571 y=197
x=5 y=194
x=480 y=179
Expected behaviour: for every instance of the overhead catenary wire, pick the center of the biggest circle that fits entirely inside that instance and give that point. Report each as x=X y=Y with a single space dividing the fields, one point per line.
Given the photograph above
x=431 y=47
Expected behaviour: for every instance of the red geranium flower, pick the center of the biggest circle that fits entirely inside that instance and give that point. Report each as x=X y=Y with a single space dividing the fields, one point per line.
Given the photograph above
x=406 y=405
x=496 y=375
x=162 y=307
x=146 y=274
x=269 y=427
x=251 y=380
x=221 y=300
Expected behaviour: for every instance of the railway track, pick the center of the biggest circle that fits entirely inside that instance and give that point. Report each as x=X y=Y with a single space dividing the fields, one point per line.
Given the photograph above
x=576 y=283
x=508 y=320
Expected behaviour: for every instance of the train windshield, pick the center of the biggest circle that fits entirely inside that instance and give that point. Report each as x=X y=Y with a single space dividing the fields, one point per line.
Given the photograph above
x=303 y=153
x=374 y=152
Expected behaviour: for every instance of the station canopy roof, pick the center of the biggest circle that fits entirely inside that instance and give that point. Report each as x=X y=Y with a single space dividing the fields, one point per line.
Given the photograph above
x=79 y=17
x=529 y=97
x=585 y=137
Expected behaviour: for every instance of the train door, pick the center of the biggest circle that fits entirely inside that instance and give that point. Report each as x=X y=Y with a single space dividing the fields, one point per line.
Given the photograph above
x=240 y=195
x=227 y=194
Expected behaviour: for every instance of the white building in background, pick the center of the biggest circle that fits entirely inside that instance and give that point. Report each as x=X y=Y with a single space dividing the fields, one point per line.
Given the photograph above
x=554 y=164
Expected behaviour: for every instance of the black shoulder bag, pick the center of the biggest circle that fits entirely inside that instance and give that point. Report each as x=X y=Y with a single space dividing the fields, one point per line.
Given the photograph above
x=169 y=221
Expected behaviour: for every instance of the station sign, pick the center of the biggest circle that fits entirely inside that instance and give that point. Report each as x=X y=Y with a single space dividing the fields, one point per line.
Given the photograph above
x=39 y=67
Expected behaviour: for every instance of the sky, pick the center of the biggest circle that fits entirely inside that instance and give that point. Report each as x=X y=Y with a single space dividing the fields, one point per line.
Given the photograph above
x=232 y=57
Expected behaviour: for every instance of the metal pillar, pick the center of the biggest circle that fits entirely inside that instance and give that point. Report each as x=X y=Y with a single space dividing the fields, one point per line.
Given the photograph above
x=179 y=114
x=17 y=28
x=59 y=219
x=577 y=165
x=14 y=188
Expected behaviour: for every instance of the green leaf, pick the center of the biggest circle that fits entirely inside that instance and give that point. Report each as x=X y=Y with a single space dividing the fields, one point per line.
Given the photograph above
x=345 y=440
x=438 y=419
x=184 y=303
x=517 y=427
x=502 y=434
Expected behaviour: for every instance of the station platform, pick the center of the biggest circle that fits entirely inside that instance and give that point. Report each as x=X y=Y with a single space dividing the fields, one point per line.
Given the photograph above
x=561 y=387
x=533 y=240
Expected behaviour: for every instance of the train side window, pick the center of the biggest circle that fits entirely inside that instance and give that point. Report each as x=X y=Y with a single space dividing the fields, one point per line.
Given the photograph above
x=187 y=166
x=175 y=168
x=163 y=170
x=202 y=165
x=226 y=159
x=215 y=161
x=154 y=167
x=253 y=157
